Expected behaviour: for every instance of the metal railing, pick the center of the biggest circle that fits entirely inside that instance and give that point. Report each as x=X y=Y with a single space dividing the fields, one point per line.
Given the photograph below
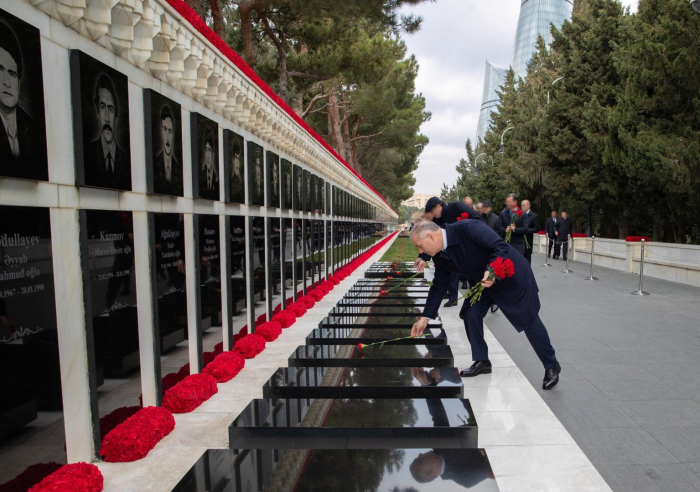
x=640 y=291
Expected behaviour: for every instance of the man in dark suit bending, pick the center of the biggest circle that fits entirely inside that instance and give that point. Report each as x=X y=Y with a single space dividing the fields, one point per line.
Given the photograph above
x=467 y=248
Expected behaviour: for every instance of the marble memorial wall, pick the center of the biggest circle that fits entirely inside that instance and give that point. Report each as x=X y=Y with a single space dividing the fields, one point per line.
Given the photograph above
x=153 y=201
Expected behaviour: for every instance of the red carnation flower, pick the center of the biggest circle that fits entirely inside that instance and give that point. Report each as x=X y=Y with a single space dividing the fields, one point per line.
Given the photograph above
x=509 y=267
x=298 y=308
x=389 y=278
x=459 y=218
x=226 y=366
x=189 y=393
x=76 y=477
x=498 y=268
x=32 y=475
x=270 y=331
x=250 y=345
x=286 y=318
x=307 y=300
x=465 y=215
x=114 y=418
x=136 y=436
x=316 y=294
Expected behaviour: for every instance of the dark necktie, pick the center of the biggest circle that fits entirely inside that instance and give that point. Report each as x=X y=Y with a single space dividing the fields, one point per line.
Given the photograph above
x=110 y=165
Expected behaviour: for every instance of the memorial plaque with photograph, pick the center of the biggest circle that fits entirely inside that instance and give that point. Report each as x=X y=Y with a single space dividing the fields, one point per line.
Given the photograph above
x=163 y=133
x=23 y=123
x=234 y=167
x=258 y=258
x=320 y=187
x=327 y=199
x=100 y=97
x=256 y=176
x=209 y=271
x=298 y=189
x=238 y=281
x=286 y=198
x=308 y=192
x=205 y=157
x=108 y=244
x=272 y=177
x=169 y=279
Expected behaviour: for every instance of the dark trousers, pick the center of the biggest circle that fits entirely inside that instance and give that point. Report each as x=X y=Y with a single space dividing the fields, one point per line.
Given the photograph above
x=528 y=254
x=549 y=246
x=558 y=247
x=453 y=287
x=536 y=334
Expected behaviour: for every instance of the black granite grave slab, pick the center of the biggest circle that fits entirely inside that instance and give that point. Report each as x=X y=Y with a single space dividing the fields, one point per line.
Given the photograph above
x=373 y=356
x=372 y=311
x=357 y=423
x=370 y=323
x=382 y=274
x=341 y=336
x=381 y=302
x=364 y=382
x=348 y=470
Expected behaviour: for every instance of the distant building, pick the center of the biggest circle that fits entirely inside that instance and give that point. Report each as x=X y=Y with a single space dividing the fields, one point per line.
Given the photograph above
x=418 y=200
x=536 y=19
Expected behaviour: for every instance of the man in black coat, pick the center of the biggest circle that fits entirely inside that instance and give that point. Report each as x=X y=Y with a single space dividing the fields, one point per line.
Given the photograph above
x=532 y=228
x=551 y=228
x=517 y=229
x=468 y=248
x=443 y=213
x=562 y=232
x=488 y=217
x=465 y=467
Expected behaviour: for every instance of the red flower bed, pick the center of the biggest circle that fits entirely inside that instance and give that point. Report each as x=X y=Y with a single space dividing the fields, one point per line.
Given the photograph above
x=578 y=234
x=250 y=345
x=542 y=233
x=136 y=436
x=114 y=418
x=76 y=477
x=307 y=300
x=285 y=318
x=316 y=294
x=636 y=239
x=29 y=477
x=189 y=393
x=298 y=308
x=225 y=367
x=334 y=279
x=269 y=331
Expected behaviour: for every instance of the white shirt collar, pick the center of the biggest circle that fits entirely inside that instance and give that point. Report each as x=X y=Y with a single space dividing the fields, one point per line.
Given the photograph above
x=444 y=239
x=442 y=470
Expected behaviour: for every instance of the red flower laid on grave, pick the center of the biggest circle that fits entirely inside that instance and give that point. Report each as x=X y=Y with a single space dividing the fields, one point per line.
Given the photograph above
x=286 y=318
x=269 y=331
x=189 y=393
x=32 y=475
x=307 y=300
x=635 y=239
x=76 y=477
x=250 y=345
x=298 y=308
x=136 y=436
x=389 y=278
x=316 y=293
x=114 y=418
x=226 y=366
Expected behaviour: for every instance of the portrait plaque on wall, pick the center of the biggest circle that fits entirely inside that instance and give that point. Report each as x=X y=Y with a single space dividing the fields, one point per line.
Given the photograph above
x=209 y=271
x=308 y=191
x=272 y=178
x=205 y=157
x=163 y=135
x=256 y=176
x=298 y=192
x=23 y=124
x=320 y=187
x=234 y=167
x=100 y=123
x=286 y=196
x=327 y=200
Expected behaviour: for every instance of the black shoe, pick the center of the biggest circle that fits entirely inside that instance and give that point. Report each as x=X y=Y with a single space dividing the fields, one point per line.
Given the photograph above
x=465 y=285
x=494 y=308
x=450 y=303
x=478 y=367
x=551 y=377
x=446 y=296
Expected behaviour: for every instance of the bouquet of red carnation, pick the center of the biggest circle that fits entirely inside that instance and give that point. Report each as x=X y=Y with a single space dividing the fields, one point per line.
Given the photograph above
x=517 y=213
x=316 y=294
x=114 y=418
x=32 y=475
x=286 y=318
x=269 y=331
x=136 y=436
x=499 y=269
x=189 y=393
x=298 y=308
x=226 y=366
x=250 y=345
x=307 y=300
x=76 y=477
x=334 y=279
x=464 y=216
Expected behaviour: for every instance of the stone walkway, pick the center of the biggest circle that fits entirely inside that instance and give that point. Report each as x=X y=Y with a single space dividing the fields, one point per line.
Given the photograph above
x=630 y=388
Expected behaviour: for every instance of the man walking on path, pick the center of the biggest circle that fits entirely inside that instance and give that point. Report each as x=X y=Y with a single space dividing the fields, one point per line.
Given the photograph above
x=468 y=248
x=550 y=228
x=442 y=213
x=562 y=232
x=532 y=222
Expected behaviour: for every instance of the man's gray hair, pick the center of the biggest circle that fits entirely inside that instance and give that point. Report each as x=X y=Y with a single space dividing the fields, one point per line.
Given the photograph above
x=424 y=226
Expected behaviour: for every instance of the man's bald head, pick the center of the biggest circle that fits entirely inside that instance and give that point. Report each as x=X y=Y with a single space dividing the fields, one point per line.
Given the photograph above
x=525 y=205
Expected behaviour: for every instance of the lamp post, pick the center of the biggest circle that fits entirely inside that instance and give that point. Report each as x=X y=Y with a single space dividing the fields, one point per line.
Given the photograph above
x=557 y=80
x=696 y=5
x=503 y=148
x=476 y=159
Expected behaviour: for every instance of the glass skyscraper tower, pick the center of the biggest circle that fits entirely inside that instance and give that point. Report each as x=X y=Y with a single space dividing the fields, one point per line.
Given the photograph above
x=536 y=18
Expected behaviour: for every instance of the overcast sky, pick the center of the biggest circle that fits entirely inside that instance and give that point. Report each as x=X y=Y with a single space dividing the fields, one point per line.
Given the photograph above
x=456 y=39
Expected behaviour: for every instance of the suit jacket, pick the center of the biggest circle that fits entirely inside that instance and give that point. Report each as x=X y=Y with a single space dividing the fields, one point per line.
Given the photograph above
x=450 y=212
x=564 y=229
x=96 y=173
x=533 y=224
x=551 y=226
x=160 y=185
x=472 y=246
x=491 y=220
x=517 y=237
x=463 y=467
x=31 y=163
x=204 y=192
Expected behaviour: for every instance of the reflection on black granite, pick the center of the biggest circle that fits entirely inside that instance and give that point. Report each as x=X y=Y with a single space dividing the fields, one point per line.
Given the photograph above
x=375 y=355
x=341 y=336
x=309 y=470
x=209 y=271
x=369 y=322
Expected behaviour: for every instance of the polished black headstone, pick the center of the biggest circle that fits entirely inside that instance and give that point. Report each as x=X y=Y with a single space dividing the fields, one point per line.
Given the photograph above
x=349 y=470
x=341 y=336
x=363 y=310
x=381 y=302
x=370 y=323
x=356 y=423
x=364 y=382
x=373 y=356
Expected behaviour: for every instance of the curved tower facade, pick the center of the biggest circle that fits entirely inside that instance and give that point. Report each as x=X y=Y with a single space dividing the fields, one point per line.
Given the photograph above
x=536 y=17
x=492 y=81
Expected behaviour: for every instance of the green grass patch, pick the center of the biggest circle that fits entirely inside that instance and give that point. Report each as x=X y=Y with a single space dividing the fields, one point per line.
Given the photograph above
x=402 y=249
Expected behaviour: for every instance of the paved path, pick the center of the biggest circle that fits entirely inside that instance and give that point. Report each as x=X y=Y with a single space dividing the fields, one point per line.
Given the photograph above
x=630 y=388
